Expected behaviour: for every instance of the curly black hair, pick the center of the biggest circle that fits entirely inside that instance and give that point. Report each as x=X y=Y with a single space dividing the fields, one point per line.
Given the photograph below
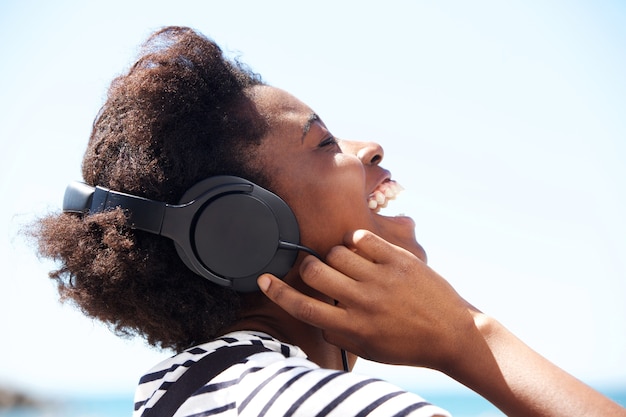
x=179 y=115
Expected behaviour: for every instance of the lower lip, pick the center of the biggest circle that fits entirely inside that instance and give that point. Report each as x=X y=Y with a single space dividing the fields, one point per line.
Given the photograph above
x=403 y=220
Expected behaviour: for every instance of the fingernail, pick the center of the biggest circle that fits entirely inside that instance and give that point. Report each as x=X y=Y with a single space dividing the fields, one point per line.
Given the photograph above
x=264 y=282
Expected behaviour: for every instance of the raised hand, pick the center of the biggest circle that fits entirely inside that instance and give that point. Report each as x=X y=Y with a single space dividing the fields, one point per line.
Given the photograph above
x=391 y=307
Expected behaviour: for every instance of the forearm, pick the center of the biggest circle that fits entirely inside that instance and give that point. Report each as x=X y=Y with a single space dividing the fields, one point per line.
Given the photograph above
x=521 y=382
x=392 y=308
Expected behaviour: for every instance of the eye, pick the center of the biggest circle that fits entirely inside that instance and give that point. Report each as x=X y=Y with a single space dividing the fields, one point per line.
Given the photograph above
x=329 y=141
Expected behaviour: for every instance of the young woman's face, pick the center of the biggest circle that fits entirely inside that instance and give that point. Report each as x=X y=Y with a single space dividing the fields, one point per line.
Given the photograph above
x=330 y=184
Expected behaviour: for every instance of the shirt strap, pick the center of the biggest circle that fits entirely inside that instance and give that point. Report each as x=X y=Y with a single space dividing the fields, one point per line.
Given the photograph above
x=198 y=375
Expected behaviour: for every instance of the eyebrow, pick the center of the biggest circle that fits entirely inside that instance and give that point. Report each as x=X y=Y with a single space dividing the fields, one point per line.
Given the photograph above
x=313 y=117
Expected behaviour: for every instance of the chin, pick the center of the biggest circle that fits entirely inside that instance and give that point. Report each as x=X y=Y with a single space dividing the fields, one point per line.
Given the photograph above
x=411 y=245
x=419 y=252
x=400 y=230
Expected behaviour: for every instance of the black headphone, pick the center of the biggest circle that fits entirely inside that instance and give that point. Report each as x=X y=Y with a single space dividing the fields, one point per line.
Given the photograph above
x=225 y=228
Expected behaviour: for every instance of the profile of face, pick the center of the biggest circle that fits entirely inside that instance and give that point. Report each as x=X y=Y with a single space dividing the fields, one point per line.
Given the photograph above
x=333 y=185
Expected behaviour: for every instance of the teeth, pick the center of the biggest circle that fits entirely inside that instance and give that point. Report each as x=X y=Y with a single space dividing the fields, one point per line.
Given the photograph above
x=388 y=190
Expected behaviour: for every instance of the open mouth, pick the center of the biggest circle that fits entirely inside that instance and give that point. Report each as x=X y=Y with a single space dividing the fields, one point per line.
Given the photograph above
x=381 y=196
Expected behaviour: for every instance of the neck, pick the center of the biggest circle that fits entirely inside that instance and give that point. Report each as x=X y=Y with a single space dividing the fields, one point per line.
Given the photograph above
x=260 y=314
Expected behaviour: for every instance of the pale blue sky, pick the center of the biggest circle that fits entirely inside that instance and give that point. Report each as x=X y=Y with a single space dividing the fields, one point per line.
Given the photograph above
x=505 y=122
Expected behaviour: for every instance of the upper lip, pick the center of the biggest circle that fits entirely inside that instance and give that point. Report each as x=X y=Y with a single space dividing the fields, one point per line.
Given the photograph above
x=384 y=176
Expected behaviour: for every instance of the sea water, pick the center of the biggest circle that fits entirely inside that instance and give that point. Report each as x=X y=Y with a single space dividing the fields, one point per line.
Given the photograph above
x=459 y=404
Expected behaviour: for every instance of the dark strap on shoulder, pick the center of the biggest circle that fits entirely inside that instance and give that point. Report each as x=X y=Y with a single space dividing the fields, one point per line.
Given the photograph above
x=199 y=374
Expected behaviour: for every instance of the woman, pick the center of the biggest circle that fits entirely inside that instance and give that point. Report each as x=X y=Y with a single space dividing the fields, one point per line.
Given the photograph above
x=183 y=114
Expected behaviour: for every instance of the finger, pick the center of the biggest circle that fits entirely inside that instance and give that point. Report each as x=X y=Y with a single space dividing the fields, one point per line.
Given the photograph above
x=371 y=246
x=349 y=263
x=327 y=280
x=304 y=308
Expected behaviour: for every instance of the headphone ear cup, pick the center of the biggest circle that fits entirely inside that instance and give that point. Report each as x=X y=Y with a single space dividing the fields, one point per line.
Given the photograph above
x=234 y=235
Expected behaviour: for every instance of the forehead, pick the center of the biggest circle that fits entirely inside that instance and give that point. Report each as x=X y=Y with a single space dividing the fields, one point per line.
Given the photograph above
x=289 y=121
x=280 y=108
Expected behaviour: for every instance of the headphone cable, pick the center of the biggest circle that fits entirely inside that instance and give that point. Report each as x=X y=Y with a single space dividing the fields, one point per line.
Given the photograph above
x=294 y=246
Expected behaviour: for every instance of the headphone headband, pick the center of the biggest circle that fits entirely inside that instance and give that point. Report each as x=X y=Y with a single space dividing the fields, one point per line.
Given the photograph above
x=144 y=214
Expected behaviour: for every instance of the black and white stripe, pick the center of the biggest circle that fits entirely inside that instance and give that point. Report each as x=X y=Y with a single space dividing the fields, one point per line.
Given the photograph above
x=281 y=382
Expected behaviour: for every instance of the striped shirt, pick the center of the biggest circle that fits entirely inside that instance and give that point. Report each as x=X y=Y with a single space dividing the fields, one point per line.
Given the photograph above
x=278 y=382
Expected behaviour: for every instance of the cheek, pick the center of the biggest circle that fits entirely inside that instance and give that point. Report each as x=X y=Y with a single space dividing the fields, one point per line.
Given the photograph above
x=325 y=218
x=328 y=199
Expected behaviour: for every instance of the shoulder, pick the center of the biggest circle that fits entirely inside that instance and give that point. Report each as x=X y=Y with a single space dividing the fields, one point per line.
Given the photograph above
x=279 y=380
x=220 y=355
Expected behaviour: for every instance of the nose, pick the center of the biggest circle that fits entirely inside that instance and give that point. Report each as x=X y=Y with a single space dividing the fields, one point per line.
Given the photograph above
x=370 y=153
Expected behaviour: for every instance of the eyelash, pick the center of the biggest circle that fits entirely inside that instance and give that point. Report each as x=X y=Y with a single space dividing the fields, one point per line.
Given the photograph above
x=331 y=141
